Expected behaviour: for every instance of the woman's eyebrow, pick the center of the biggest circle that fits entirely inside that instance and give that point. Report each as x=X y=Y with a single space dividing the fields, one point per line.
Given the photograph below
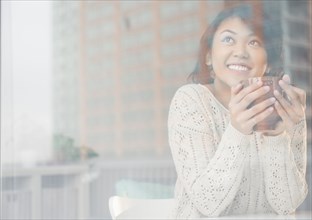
x=227 y=30
x=233 y=32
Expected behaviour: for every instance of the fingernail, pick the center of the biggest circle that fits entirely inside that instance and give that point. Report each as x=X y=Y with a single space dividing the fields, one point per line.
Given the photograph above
x=276 y=93
x=286 y=78
x=238 y=85
x=281 y=82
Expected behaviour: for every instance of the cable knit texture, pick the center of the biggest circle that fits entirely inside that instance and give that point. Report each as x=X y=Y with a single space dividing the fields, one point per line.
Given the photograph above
x=224 y=172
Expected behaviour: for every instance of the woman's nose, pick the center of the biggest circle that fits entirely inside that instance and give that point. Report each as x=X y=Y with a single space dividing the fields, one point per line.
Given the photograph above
x=241 y=52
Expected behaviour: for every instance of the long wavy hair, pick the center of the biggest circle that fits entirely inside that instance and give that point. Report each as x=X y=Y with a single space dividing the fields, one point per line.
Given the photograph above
x=259 y=22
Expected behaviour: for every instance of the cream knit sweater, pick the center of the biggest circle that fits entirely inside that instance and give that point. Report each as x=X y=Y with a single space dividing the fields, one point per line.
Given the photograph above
x=224 y=172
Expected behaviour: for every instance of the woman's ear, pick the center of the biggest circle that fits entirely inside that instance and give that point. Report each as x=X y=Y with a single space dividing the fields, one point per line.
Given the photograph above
x=267 y=70
x=208 y=60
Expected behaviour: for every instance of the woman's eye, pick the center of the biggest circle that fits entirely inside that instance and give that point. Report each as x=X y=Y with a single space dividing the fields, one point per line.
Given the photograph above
x=228 y=40
x=255 y=43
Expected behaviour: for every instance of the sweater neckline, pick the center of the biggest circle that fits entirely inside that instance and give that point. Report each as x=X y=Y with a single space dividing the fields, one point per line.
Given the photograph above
x=215 y=99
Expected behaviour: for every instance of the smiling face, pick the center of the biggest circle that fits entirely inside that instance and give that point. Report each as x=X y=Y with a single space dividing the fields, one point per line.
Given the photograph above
x=236 y=54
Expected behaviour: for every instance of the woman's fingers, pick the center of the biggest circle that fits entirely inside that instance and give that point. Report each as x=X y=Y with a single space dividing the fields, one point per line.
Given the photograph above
x=241 y=115
x=251 y=97
x=283 y=114
x=256 y=114
x=235 y=89
x=243 y=92
x=260 y=117
x=284 y=103
x=296 y=104
x=248 y=95
x=288 y=89
x=289 y=107
x=286 y=78
x=302 y=96
x=256 y=109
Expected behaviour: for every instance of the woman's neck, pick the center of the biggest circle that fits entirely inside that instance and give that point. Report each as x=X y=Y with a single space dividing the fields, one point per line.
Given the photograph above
x=222 y=93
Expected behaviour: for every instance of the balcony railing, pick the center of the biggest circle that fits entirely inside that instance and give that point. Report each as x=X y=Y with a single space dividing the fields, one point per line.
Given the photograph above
x=81 y=191
x=78 y=191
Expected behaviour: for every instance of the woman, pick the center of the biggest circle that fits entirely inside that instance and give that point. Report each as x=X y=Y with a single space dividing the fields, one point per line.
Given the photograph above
x=224 y=167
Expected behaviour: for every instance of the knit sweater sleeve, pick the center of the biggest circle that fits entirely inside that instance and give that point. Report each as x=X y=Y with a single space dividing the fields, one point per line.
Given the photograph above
x=284 y=161
x=210 y=178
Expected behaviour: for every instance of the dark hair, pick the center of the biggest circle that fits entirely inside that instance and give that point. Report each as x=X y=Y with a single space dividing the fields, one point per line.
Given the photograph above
x=259 y=22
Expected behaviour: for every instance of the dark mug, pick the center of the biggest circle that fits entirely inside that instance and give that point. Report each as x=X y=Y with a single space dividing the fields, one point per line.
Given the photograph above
x=270 y=122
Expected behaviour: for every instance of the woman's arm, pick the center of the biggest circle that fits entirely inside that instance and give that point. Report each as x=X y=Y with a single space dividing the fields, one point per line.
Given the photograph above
x=209 y=169
x=284 y=160
x=285 y=155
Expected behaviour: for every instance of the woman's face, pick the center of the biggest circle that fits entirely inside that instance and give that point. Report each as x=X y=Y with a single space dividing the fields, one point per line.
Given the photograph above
x=237 y=53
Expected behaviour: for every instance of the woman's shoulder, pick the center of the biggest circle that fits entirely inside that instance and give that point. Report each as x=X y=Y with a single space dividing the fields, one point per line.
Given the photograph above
x=190 y=89
x=193 y=91
x=200 y=95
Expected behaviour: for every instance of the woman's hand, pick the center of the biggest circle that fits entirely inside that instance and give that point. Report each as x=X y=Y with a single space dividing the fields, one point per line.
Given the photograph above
x=293 y=110
x=244 y=118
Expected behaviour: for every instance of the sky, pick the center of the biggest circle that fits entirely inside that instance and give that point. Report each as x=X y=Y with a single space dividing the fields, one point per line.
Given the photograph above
x=31 y=84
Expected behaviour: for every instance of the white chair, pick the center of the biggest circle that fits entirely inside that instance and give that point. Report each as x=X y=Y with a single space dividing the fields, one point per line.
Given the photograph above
x=130 y=208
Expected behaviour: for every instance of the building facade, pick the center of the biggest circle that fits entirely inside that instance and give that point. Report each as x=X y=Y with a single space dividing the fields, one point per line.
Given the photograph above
x=117 y=65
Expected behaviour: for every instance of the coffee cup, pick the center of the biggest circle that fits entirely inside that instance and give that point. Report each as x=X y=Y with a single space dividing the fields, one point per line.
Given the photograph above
x=270 y=122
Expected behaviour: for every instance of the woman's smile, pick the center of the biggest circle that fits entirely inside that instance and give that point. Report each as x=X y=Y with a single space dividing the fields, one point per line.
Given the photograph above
x=240 y=68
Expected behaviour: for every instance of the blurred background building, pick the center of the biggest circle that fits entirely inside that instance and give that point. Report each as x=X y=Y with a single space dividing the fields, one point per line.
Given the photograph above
x=116 y=66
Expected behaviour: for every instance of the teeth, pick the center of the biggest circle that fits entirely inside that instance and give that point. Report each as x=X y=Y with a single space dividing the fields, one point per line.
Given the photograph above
x=238 y=67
